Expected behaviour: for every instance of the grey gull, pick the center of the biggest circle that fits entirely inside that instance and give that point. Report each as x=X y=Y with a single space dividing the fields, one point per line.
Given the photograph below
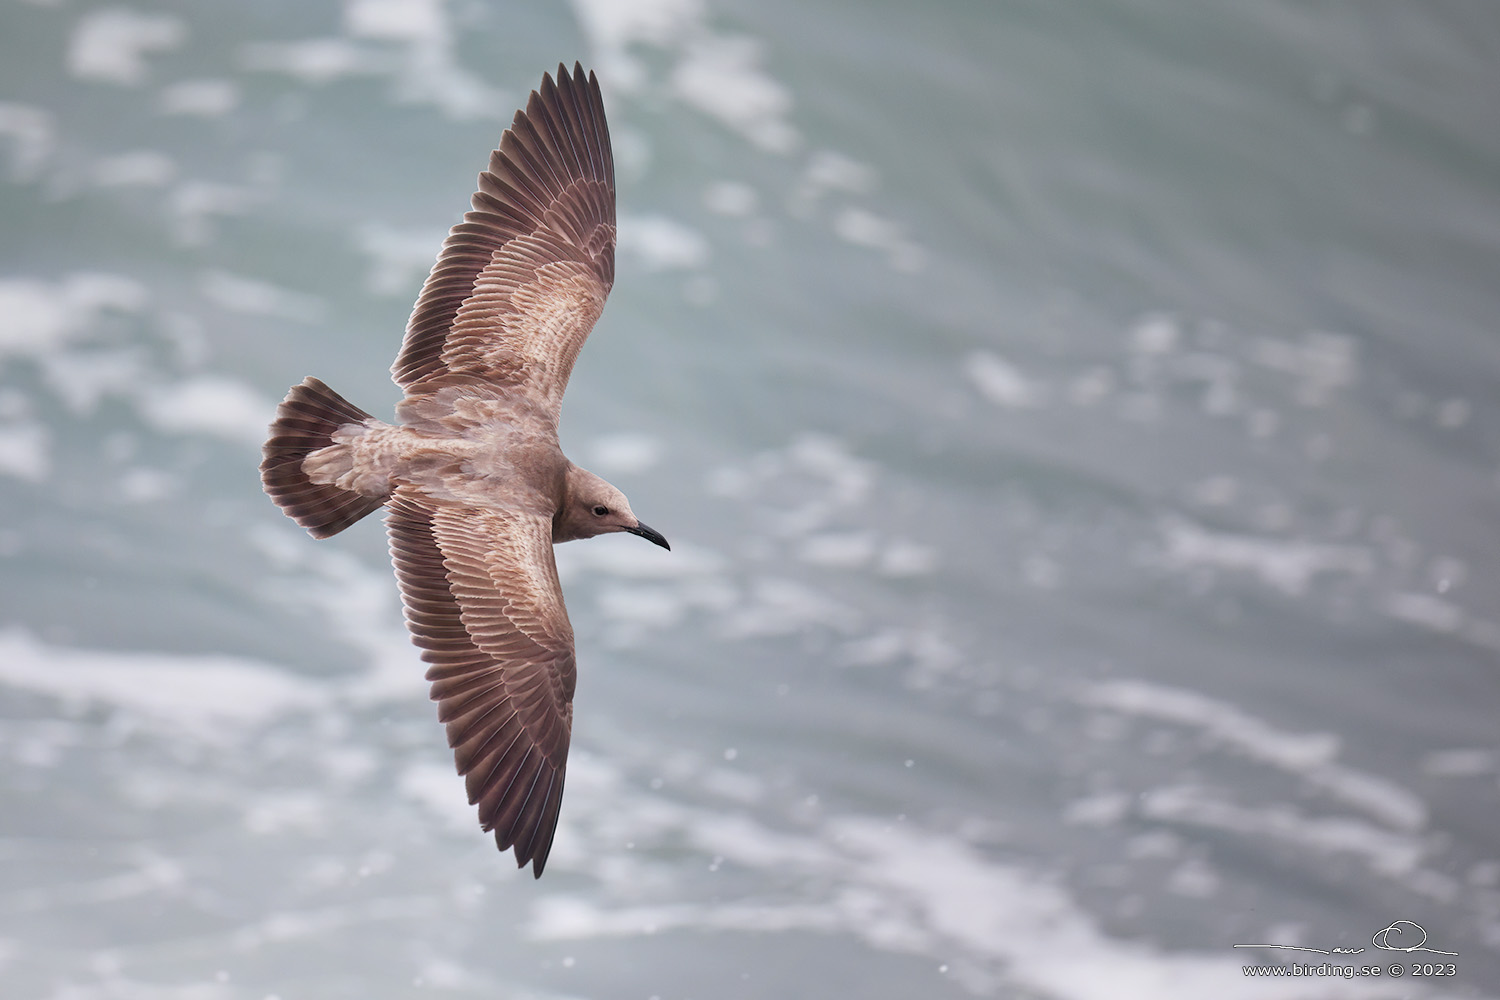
x=476 y=488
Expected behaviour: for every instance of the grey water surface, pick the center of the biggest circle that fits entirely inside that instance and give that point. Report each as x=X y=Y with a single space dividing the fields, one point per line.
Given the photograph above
x=1076 y=422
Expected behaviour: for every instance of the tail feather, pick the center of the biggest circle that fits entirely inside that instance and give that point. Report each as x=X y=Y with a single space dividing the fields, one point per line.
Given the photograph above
x=305 y=422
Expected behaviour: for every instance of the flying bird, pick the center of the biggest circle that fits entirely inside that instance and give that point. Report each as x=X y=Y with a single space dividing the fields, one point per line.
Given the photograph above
x=475 y=486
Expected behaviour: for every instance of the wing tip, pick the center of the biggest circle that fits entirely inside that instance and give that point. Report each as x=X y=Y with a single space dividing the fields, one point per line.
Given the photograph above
x=523 y=853
x=531 y=832
x=579 y=76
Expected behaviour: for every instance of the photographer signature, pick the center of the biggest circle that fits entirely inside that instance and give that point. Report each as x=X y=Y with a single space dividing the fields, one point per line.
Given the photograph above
x=1385 y=939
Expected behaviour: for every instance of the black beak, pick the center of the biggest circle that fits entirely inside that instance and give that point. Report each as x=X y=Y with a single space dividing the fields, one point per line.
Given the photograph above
x=650 y=535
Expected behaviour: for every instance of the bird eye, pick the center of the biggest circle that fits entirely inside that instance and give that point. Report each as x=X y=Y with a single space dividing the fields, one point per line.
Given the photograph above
x=601 y=510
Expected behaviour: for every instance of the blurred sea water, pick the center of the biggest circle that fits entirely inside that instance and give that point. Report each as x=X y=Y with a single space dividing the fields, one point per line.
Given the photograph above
x=1076 y=425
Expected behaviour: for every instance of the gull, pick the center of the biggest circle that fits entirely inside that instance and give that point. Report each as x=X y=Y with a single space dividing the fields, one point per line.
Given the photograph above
x=475 y=486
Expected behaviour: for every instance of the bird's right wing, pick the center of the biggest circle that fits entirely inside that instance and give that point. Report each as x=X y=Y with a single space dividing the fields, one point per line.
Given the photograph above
x=520 y=282
x=483 y=601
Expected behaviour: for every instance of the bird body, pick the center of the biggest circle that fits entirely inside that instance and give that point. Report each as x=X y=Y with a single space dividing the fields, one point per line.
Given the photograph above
x=461 y=444
x=476 y=487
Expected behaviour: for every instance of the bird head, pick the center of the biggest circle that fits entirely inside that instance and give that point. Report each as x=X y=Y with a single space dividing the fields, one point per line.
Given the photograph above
x=592 y=507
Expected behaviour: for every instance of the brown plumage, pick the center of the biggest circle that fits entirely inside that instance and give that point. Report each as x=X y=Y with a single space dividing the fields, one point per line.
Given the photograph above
x=477 y=489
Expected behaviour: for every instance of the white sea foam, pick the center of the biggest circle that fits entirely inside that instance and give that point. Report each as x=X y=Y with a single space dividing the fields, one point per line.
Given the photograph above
x=735 y=786
x=441 y=791
x=1426 y=610
x=1312 y=757
x=730 y=198
x=826 y=484
x=396 y=20
x=645 y=606
x=1215 y=491
x=904 y=889
x=82 y=377
x=359 y=604
x=324 y=923
x=829 y=170
x=431 y=74
x=1091 y=386
x=1321 y=362
x=999 y=381
x=1227 y=724
x=315 y=61
x=897 y=888
x=1468 y=762
x=137 y=168
x=883 y=646
x=722 y=75
x=1287 y=565
x=1438 y=615
x=252 y=296
x=625 y=453
x=661 y=243
x=141 y=485
x=194 y=204
x=626 y=557
x=903 y=558
x=209 y=97
x=209 y=404
x=847 y=478
x=399 y=259
x=38 y=316
x=1156 y=333
x=613 y=28
x=863 y=227
x=25 y=451
x=147 y=873
x=1103 y=809
x=926 y=653
x=640 y=589
x=841 y=550
x=33 y=139
x=1385 y=851
x=409 y=41
x=111 y=45
x=784 y=606
x=719 y=73
x=280 y=812
x=209 y=697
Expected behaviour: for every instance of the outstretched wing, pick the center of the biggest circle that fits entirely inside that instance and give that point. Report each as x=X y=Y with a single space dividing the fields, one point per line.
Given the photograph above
x=483 y=601
x=520 y=282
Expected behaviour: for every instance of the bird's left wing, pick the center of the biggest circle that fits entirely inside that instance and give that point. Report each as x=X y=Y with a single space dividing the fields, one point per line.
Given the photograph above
x=521 y=280
x=483 y=601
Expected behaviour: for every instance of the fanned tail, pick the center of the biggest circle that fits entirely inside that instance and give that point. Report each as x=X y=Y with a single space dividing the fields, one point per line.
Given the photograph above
x=305 y=421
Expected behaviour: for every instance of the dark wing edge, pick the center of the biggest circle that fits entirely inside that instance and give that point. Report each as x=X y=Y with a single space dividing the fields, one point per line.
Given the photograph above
x=553 y=169
x=500 y=654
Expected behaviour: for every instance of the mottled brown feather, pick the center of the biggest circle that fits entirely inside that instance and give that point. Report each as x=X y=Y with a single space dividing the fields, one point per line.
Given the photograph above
x=484 y=603
x=305 y=421
x=520 y=282
x=481 y=488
